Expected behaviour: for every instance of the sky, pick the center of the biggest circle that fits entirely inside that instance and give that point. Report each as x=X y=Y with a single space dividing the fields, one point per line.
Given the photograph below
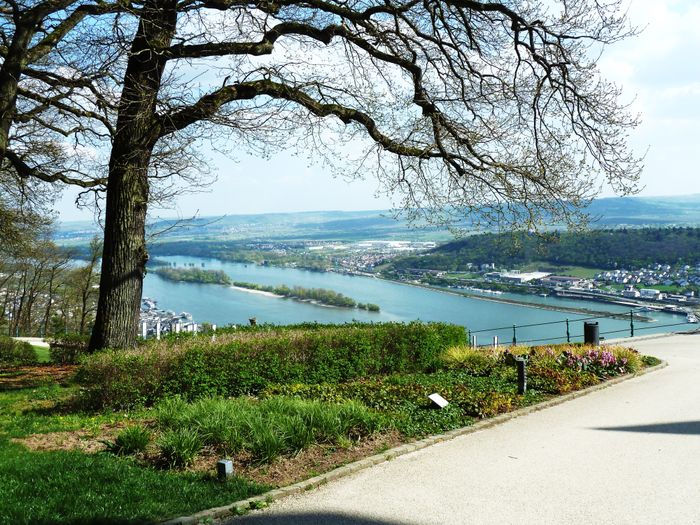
x=658 y=70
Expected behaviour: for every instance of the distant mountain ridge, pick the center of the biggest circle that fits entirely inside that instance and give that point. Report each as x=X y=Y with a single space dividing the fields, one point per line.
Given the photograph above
x=380 y=224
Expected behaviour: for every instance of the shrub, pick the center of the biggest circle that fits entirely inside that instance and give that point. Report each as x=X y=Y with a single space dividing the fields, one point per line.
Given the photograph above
x=66 y=349
x=477 y=362
x=16 y=353
x=180 y=447
x=131 y=440
x=559 y=381
x=246 y=361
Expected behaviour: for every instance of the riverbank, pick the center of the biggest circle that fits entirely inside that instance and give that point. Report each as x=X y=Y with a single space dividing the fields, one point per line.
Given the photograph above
x=515 y=302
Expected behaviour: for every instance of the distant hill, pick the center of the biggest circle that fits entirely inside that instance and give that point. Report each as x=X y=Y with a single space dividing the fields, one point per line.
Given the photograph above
x=380 y=224
x=617 y=248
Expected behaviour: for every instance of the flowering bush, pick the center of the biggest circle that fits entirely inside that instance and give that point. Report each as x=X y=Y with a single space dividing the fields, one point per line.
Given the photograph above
x=602 y=363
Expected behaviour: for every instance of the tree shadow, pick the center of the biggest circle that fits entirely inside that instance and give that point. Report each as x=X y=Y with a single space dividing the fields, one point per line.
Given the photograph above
x=680 y=427
x=308 y=518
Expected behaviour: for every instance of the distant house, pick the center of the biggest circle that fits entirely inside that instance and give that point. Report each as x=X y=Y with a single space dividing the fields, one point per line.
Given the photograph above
x=631 y=293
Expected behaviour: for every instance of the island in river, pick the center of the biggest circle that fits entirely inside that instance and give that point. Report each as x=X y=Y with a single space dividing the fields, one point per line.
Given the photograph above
x=319 y=296
x=313 y=295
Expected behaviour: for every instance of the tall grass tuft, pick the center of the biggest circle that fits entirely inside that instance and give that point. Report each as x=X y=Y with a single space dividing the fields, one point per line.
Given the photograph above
x=266 y=429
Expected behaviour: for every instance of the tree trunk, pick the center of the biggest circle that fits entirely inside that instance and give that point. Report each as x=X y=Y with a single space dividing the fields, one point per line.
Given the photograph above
x=124 y=253
x=10 y=73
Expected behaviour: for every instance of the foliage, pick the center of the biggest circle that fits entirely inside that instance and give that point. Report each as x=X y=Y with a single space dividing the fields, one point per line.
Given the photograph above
x=68 y=348
x=404 y=398
x=264 y=429
x=193 y=275
x=619 y=248
x=179 y=447
x=132 y=440
x=16 y=353
x=317 y=295
x=245 y=361
x=477 y=361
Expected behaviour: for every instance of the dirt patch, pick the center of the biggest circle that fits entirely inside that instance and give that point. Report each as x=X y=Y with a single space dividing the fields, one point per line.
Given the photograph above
x=87 y=441
x=315 y=460
x=30 y=376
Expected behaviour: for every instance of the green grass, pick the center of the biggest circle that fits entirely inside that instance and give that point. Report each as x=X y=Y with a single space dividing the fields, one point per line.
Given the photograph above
x=72 y=487
x=51 y=487
x=42 y=353
x=573 y=271
x=265 y=429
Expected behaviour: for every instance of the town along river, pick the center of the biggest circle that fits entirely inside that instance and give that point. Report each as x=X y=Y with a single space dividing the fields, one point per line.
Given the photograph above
x=222 y=305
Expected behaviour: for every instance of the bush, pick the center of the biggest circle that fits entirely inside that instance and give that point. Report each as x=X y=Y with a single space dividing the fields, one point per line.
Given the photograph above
x=246 y=361
x=67 y=349
x=16 y=353
x=477 y=362
x=131 y=440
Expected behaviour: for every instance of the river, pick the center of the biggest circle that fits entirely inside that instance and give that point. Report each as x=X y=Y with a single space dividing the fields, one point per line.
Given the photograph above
x=224 y=305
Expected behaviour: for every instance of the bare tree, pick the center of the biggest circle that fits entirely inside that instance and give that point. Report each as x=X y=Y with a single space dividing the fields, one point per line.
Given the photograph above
x=493 y=110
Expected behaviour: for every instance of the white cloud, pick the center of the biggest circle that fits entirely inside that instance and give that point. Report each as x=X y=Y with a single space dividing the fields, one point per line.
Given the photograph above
x=660 y=69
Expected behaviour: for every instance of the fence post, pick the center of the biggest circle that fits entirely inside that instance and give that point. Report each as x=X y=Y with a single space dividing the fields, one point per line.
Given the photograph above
x=474 y=341
x=469 y=336
x=631 y=323
x=568 y=334
x=515 y=341
x=495 y=341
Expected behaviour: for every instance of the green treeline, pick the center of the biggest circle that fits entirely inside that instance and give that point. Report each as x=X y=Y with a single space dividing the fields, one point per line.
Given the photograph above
x=193 y=275
x=628 y=248
x=317 y=295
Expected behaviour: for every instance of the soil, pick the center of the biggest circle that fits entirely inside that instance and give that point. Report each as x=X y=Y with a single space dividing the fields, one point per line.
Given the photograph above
x=83 y=440
x=18 y=377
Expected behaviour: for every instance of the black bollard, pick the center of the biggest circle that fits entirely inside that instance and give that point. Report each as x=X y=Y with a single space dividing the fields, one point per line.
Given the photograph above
x=521 y=364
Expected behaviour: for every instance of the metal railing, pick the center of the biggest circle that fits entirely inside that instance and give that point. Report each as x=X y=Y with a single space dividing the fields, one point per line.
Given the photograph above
x=567 y=336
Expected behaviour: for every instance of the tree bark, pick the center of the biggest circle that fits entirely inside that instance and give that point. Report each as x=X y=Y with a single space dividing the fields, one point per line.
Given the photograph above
x=124 y=254
x=10 y=73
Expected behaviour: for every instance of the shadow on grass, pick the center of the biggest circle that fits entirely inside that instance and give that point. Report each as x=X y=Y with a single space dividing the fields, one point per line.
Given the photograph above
x=94 y=521
x=681 y=427
x=308 y=518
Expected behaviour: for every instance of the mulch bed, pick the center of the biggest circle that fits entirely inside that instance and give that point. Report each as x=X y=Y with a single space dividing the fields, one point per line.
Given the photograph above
x=16 y=377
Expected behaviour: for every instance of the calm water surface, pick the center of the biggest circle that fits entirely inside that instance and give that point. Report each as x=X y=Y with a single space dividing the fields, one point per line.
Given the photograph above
x=225 y=305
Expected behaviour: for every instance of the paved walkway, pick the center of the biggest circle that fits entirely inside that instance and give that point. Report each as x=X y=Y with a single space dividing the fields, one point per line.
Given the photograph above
x=36 y=341
x=626 y=454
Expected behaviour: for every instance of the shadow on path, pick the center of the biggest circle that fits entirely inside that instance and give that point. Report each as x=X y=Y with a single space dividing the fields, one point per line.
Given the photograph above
x=680 y=427
x=308 y=518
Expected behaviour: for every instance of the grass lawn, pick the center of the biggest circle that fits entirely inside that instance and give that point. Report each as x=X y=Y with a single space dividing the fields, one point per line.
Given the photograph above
x=72 y=486
x=572 y=271
x=42 y=353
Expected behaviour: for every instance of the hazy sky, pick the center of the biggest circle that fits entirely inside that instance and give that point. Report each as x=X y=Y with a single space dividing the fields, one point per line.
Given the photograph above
x=659 y=71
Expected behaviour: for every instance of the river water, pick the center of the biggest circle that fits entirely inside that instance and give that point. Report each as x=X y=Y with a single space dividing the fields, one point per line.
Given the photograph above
x=224 y=305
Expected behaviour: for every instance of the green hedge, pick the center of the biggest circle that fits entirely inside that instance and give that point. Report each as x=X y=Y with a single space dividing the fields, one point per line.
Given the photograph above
x=246 y=361
x=16 y=353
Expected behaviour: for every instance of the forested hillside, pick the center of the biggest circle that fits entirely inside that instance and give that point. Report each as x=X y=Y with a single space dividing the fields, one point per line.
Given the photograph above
x=596 y=249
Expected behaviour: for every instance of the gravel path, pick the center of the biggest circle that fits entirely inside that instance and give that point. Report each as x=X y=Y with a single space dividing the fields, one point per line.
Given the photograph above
x=626 y=454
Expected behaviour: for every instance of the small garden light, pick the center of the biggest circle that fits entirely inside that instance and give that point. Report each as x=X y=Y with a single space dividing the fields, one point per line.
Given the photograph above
x=224 y=469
